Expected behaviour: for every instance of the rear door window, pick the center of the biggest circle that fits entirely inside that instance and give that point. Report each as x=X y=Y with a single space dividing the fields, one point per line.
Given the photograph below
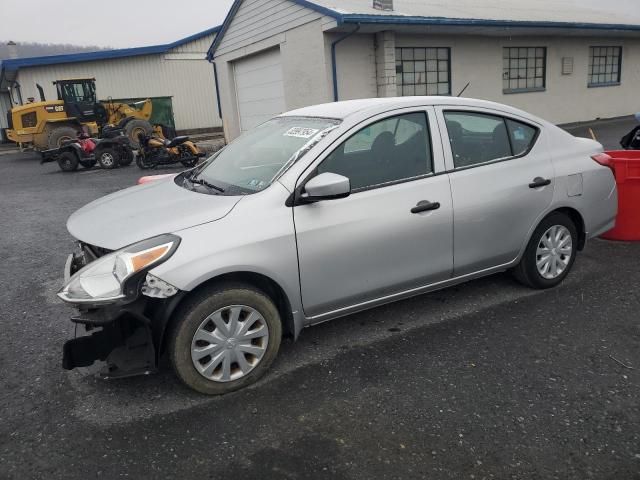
x=478 y=138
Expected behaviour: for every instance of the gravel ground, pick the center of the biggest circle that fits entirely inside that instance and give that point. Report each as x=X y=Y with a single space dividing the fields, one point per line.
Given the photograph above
x=484 y=380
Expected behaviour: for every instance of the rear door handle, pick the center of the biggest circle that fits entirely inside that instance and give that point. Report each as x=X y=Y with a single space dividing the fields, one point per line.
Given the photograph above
x=424 y=206
x=539 y=182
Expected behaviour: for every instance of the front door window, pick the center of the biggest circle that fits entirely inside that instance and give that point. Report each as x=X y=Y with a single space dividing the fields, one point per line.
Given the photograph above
x=389 y=151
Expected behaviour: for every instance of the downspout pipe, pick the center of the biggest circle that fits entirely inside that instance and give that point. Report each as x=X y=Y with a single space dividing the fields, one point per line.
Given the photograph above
x=333 y=59
x=215 y=79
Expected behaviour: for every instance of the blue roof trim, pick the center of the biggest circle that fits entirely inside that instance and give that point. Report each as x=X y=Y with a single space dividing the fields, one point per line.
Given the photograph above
x=470 y=22
x=409 y=20
x=319 y=8
x=223 y=29
x=17 y=63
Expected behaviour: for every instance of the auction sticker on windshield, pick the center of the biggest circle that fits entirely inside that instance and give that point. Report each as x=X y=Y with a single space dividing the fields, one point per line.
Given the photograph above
x=301 y=132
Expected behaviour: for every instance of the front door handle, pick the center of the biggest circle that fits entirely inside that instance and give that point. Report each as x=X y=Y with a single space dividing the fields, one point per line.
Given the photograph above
x=424 y=206
x=539 y=182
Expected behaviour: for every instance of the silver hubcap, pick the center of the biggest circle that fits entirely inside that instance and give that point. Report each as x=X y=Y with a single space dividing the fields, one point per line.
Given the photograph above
x=554 y=252
x=229 y=343
x=107 y=159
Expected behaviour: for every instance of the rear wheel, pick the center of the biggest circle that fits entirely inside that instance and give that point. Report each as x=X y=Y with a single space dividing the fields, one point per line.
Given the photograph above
x=187 y=158
x=68 y=162
x=225 y=339
x=550 y=253
x=126 y=157
x=134 y=128
x=108 y=158
x=58 y=135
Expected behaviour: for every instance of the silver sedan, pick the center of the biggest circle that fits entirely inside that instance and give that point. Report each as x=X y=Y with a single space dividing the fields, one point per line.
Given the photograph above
x=319 y=213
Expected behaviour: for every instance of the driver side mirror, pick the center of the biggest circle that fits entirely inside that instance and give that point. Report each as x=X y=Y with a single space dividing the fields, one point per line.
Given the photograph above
x=326 y=186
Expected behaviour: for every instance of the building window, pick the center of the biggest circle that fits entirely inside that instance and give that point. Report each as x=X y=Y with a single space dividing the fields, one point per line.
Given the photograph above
x=604 y=66
x=524 y=69
x=423 y=71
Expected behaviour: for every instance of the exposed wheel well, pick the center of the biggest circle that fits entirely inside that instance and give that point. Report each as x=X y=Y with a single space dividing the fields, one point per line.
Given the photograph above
x=578 y=221
x=261 y=282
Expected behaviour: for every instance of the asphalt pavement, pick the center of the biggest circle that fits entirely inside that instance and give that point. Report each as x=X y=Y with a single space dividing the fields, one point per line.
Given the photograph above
x=484 y=380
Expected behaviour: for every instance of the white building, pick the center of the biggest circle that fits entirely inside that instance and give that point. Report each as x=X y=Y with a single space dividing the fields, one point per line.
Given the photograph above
x=178 y=70
x=564 y=62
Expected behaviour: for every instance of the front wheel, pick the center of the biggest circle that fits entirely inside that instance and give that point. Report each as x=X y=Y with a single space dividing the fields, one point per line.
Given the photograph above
x=68 y=162
x=142 y=163
x=108 y=158
x=134 y=128
x=550 y=253
x=225 y=338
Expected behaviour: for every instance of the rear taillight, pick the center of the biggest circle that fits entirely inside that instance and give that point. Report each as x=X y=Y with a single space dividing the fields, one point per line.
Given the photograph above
x=604 y=159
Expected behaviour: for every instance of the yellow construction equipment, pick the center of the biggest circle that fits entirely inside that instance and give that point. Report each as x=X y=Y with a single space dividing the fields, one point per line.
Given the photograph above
x=48 y=123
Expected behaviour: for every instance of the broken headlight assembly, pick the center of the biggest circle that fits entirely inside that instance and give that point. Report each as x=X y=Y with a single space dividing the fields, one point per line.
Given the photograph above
x=105 y=280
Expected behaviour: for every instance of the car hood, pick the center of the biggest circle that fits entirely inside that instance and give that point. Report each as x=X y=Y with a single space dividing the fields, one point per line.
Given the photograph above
x=144 y=211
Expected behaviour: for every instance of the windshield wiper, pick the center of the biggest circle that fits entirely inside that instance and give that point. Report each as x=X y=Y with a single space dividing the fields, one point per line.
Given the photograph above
x=202 y=181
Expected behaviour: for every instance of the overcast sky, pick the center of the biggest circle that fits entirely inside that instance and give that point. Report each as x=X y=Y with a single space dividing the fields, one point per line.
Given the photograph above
x=112 y=23
x=135 y=23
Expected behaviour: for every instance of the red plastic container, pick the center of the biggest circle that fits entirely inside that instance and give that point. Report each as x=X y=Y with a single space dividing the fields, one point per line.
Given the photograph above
x=626 y=165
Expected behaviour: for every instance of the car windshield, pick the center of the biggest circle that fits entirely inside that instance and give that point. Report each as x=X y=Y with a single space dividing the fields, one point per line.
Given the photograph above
x=254 y=160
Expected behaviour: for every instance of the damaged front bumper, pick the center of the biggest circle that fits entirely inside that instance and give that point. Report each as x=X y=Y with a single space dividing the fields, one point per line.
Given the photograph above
x=120 y=335
x=127 y=335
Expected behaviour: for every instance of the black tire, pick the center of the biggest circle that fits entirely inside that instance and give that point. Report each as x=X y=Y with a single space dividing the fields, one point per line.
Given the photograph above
x=58 y=134
x=126 y=157
x=87 y=164
x=196 y=309
x=107 y=157
x=134 y=128
x=188 y=159
x=142 y=164
x=526 y=272
x=68 y=161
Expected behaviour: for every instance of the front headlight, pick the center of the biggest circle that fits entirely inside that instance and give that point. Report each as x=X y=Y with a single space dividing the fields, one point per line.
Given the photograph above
x=103 y=280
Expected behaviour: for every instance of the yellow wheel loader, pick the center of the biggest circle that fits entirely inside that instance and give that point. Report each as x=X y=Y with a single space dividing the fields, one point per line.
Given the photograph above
x=48 y=124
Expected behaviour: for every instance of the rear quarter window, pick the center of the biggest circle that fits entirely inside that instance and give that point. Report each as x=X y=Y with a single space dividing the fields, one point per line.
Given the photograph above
x=522 y=136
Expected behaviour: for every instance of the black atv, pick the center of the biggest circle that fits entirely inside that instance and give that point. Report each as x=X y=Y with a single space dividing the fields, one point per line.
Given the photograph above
x=111 y=151
x=631 y=141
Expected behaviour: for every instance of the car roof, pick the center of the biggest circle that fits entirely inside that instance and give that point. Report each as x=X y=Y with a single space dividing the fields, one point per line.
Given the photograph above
x=344 y=109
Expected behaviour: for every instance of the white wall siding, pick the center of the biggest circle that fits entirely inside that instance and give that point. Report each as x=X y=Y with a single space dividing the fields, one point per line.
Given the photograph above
x=567 y=98
x=190 y=82
x=257 y=20
x=306 y=66
x=355 y=67
x=200 y=45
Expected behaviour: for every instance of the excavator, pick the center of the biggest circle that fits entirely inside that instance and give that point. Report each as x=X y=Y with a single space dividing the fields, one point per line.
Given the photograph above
x=49 y=124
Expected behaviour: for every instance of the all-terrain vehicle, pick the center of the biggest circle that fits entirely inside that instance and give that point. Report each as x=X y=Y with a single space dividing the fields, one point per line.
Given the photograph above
x=631 y=141
x=111 y=151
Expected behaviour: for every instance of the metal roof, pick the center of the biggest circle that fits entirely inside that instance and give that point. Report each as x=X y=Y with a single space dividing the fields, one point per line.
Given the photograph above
x=536 y=13
x=17 y=63
x=546 y=14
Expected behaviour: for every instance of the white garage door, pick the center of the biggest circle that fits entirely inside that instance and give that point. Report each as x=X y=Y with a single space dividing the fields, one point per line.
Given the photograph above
x=259 y=88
